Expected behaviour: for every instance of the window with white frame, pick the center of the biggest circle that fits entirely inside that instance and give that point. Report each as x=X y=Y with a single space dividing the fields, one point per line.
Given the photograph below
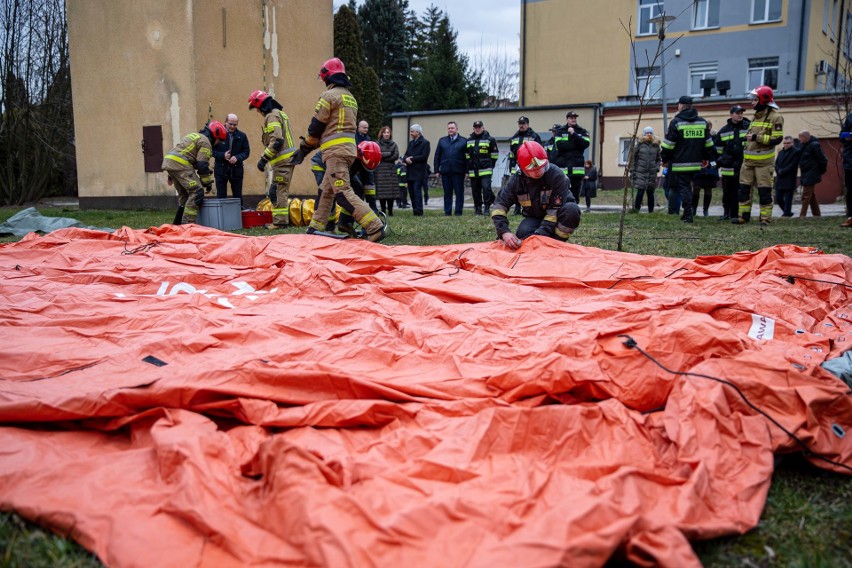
x=763 y=71
x=624 y=150
x=648 y=9
x=699 y=72
x=763 y=11
x=705 y=14
x=648 y=82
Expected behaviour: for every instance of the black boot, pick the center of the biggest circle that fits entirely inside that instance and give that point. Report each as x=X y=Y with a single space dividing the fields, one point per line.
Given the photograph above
x=477 y=210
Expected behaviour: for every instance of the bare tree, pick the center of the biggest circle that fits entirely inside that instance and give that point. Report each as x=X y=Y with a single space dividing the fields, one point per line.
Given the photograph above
x=500 y=76
x=36 y=125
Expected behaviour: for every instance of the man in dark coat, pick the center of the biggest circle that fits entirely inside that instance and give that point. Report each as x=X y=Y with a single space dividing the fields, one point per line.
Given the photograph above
x=846 y=141
x=449 y=164
x=786 y=170
x=229 y=160
x=813 y=163
x=416 y=160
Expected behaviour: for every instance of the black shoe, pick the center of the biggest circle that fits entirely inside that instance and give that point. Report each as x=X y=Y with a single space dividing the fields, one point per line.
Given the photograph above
x=688 y=219
x=477 y=210
x=487 y=211
x=725 y=218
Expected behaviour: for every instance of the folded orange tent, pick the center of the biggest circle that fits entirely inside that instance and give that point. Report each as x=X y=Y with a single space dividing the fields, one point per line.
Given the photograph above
x=186 y=397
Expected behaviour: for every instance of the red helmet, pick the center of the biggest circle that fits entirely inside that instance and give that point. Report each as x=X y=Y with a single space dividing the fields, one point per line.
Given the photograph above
x=256 y=99
x=532 y=159
x=217 y=129
x=370 y=154
x=763 y=94
x=331 y=67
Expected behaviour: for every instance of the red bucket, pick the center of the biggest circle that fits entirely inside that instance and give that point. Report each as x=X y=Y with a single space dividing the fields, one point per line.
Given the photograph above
x=256 y=218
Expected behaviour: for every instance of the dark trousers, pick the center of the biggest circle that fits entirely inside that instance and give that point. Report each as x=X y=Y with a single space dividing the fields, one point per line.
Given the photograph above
x=730 y=195
x=681 y=184
x=236 y=186
x=848 y=177
x=708 y=197
x=416 y=189
x=576 y=185
x=640 y=192
x=480 y=190
x=784 y=200
x=453 y=185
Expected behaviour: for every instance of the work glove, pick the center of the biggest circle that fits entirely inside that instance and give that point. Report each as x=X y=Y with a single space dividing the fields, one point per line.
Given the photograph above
x=261 y=164
x=199 y=197
x=297 y=158
x=208 y=188
x=304 y=147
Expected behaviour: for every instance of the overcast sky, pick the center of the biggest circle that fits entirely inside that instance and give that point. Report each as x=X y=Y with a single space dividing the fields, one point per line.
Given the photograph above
x=483 y=27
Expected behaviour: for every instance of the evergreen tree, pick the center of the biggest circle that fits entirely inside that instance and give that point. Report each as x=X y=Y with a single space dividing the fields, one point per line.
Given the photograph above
x=365 y=82
x=441 y=78
x=386 y=41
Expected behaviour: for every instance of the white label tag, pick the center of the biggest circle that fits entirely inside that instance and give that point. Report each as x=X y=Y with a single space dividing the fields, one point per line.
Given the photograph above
x=762 y=327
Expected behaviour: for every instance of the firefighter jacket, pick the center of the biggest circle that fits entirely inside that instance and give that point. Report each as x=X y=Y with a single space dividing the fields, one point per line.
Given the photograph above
x=192 y=153
x=687 y=142
x=768 y=128
x=568 y=150
x=515 y=142
x=540 y=198
x=646 y=163
x=730 y=141
x=277 y=137
x=481 y=154
x=334 y=123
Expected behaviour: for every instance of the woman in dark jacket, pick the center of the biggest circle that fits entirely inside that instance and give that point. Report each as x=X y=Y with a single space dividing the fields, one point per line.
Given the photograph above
x=812 y=163
x=589 y=188
x=786 y=172
x=387 y=182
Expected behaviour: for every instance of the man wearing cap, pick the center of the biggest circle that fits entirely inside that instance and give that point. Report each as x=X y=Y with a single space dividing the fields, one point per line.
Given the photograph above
x=524 y=133
x=686 y=149
x=449 y=165
x=730 y=141
x=569 y=151
x=646 y=165
x=481 y=153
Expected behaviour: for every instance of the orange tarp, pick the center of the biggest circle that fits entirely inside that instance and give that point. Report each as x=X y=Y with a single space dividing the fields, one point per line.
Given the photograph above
x=219 y=400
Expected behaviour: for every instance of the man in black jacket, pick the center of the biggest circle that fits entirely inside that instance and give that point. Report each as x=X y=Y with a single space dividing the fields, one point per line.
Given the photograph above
x=786 y=170
x=846 y=141
x=813 y=163
x=450 y=168
x=729 y=145
x=686 y=149
x=416 y=160
x=569 y=147
x=229 y=160
x=481 y=154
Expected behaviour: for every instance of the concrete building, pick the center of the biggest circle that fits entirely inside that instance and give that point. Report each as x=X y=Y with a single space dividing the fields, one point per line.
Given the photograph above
x=144 y=74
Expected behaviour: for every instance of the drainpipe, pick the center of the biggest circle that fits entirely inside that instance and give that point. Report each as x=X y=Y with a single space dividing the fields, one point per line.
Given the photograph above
x=799 y=85
x=523 y=82
x=839 y=42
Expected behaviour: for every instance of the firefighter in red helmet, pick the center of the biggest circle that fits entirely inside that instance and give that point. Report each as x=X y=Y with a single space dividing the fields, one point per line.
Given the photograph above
x=188 y=168
x=332 y=129
x=278 y=140
x=764 y=134
x=544 y=194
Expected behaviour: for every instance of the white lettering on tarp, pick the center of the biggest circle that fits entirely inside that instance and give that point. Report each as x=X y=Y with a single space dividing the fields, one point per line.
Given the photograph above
x=762 y=327
x=241 y=289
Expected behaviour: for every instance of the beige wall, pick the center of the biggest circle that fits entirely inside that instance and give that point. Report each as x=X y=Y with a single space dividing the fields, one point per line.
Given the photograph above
x=559 y=45
x=168 y=63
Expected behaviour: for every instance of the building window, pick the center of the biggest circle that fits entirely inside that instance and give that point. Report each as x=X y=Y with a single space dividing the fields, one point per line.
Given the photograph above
x=847 y=33
x=649 y=9
x=705 y=15
x=624 y=145
x=763 y=71
x=649 y=85
x=763 y=11
x=698 y=72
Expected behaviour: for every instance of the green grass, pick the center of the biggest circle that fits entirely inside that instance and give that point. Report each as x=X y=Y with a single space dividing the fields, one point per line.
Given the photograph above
x=807 y=521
